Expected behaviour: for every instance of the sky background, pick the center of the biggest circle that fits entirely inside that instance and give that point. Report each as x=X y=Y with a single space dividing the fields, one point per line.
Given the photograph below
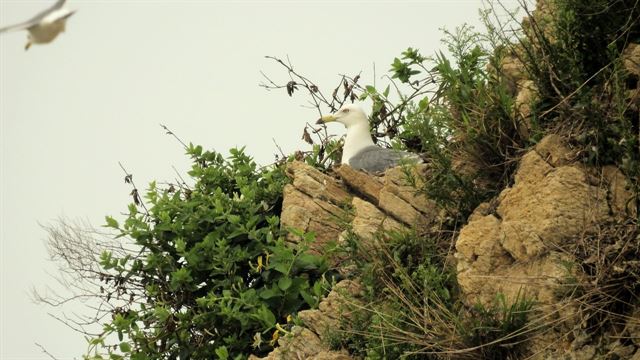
x=71 y=110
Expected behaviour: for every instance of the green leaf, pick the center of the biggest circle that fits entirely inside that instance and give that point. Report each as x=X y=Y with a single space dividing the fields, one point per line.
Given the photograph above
x=125 y=347
x=423 y=104
x=309 y=299
x=266 y=317
x=269 y=293
x=181 y=246
x=222 y=352
x=111 y=222
x=284 y=283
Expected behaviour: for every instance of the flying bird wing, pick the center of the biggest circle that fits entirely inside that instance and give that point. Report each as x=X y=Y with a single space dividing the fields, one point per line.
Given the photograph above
x=34 y=20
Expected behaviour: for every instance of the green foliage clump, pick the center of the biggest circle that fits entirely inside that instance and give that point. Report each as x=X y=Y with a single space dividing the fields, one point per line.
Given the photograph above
x=213 y=276
x=459 y=109
x=460 y=116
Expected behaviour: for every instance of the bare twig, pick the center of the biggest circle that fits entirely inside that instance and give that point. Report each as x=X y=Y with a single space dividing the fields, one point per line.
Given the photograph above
x=169 y=132
x=135 y=194
x=46 y=352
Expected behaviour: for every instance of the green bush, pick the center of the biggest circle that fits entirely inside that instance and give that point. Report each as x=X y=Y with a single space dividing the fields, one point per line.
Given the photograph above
x=459 y=115
x=214 y=275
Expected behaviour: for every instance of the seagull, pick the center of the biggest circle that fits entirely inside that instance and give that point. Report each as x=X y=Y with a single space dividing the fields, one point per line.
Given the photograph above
x=45 y=26
x=359 y=151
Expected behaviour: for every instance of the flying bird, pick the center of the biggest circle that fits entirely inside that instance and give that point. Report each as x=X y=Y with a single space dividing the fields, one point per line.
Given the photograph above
x=45 y=26
x=359 y=151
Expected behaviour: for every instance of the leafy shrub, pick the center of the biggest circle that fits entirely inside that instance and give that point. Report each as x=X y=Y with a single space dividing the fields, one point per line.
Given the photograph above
x=459 y=116
x=214 y=275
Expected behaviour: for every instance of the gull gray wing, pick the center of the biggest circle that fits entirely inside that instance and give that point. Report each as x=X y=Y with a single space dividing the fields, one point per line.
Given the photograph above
x=376 y=159
x=34 y=20
x=20 y=26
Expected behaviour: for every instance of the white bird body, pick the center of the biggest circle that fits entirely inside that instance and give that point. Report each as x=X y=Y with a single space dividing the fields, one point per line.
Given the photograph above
x=45 y=26
x=359 y=150
x=358 y=137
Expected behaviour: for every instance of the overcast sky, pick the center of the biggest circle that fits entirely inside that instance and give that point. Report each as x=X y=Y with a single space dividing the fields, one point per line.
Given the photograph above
x=70 y=110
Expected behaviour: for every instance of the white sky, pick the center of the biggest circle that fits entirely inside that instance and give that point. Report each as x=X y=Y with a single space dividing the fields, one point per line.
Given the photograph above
x=70 y=110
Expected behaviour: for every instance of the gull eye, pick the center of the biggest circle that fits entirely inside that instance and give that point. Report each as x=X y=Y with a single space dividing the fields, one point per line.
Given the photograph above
x=345 y=110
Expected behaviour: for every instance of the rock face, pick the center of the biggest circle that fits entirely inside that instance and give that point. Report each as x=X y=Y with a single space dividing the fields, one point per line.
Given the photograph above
x=509 y=246
x=310 y=342
x=326 y=206
x=631 y=62
x=302 y=343
x=552 y=201
x=314 y=203
x=513 y=247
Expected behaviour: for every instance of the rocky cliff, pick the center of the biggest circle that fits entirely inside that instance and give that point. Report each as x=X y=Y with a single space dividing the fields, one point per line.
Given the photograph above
x=517 y=244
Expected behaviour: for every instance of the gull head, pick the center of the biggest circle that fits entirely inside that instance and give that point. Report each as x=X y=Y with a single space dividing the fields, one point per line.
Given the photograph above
x=348 y=115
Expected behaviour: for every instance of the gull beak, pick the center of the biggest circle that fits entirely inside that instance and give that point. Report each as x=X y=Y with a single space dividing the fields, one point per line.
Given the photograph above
x=327 y=118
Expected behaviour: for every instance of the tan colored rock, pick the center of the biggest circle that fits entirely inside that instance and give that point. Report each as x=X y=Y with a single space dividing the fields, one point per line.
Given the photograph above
x=302 y=212
x=631 y=62
x=341 y=295
x=316 y=321
x=551 y=202
x=620 y=192
x=368 y=186
x=392 y=194
x=398 y=208
x=526 y=98
x=544 y=18
x=300 y=343
x=368 y=220
x=553 y=150
x=531 y=170
x=587 y=352
x=631 y=59
x=480 y=242
x=558 y=207
x=314 y=202
x=334 y=309
x=331 y=355
x=307 y=342
x=316 y=184
x=547 y=204
x=395 y=181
